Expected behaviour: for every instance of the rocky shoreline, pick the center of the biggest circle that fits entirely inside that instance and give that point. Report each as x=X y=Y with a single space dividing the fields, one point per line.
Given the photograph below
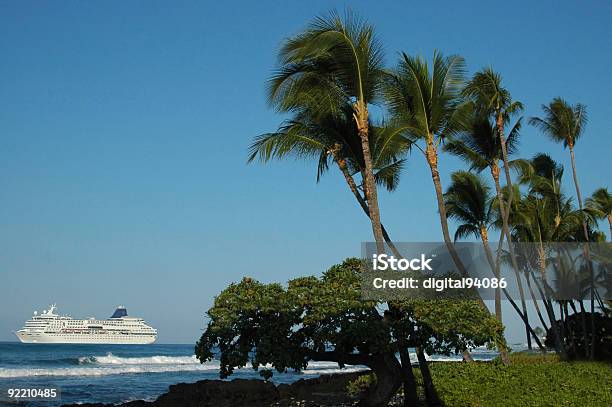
x=325 y=390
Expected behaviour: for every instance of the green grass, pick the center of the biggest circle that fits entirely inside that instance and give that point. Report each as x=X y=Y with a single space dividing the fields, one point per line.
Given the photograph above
x=529 y=381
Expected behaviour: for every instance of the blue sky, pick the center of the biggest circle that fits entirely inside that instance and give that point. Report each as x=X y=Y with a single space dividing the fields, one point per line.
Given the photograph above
x=124 y=129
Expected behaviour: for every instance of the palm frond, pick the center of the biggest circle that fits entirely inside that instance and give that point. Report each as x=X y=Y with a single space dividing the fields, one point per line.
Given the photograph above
x=389 y=175
x=561 y=121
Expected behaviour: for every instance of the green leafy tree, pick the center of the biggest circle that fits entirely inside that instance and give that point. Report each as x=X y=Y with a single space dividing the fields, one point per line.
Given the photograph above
x=326 y=319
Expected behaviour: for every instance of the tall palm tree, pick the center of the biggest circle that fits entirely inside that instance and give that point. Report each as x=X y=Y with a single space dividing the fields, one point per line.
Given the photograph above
x=480 y=146
x=600 y=206
x=335 y=58
x=564 y=123
x=428 y=106
x=329 y=135
x=468 y=200
x=545 y=215
x=492 y=98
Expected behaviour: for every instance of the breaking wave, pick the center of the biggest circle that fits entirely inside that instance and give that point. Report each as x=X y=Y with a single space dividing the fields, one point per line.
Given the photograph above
x=111 y=359
x=116 y=365
x=105 y=371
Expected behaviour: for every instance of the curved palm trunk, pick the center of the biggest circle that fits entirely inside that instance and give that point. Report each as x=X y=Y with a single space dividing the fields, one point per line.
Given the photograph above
x=485 y=242
x=506 y=213
x=361 y=118
x=484 y=235
x=432 y=159
x=578 y=194
x=506 y=232
x=536 y=304
x=386 y=368
x=586 y=249
x=523 y=316
x=431 y=155
x=610 y=224
x=502 y=141
x=559 y=344
x=410 y=393
x=430 y=390
x=341 y=162
x=411 y=397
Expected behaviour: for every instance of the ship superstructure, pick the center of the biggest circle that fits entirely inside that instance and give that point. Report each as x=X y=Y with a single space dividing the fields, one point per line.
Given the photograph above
x=50 y=327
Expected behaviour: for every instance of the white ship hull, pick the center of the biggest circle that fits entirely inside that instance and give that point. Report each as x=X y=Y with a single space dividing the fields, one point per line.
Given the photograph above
x=49 y=327
x=74 y=338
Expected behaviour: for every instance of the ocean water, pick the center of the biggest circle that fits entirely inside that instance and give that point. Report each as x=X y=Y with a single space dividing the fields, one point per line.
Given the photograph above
x=119 y=373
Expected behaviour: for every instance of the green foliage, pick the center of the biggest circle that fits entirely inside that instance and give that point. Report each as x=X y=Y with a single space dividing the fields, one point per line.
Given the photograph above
x=448 y=326
x=545 y=213
x=326 y=319
x=323 y=71
x=485 y=89
x=574 y=338
x=562 y=122
x=327 y=136
x=335 y=57
x=479 y=145
x=528 y=381
x=356 y=387
x=468 y=200
x=600 y=204
x=427 y=103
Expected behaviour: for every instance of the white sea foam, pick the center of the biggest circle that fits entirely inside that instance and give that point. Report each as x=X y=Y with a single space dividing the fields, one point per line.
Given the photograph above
x=111 y=359
x=105 y=371
x=334 y=369
x=116 y=365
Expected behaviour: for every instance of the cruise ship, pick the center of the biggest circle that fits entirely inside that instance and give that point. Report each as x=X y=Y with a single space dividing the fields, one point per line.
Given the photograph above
x=49 y=327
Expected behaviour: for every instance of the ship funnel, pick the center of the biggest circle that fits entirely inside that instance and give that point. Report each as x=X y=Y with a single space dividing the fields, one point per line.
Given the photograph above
x=119 y=312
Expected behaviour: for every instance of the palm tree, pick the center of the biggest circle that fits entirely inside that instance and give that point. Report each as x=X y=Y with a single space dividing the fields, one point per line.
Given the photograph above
x=565 y=123
x=544 y=215
x=327 y=134
x=428 y=106
x=335 y=59
x=600 y=206
x=492 y=98
x=480 y=146
x=332 y=138
x=468 y=200
x=495 y=101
